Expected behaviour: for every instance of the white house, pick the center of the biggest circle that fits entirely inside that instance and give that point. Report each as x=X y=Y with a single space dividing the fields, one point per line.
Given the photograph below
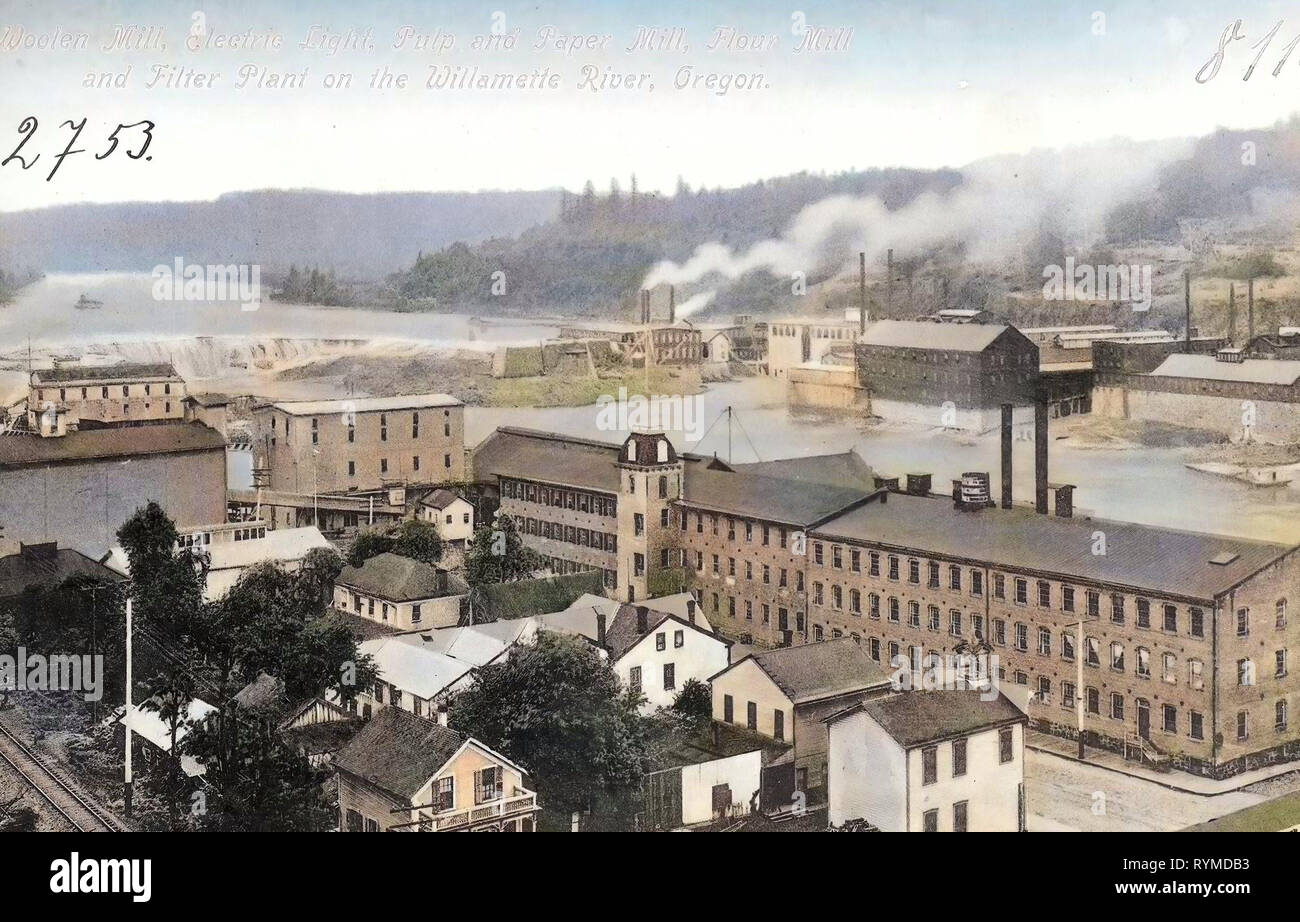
x=655 y=652
x=412 y=678
x=400 y=592
x=232 y=547
x=929 y=761
x=451 y=514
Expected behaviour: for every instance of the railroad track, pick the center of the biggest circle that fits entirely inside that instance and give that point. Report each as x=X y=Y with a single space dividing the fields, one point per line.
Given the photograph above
x=50 y=782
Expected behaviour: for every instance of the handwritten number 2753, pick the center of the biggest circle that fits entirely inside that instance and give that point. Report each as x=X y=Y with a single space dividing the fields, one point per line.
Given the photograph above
x=27 y=128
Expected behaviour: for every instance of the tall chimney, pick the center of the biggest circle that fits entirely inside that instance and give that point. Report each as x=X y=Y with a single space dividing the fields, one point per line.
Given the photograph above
x=1187 y=308
x=1065 y=500
x=1040 y=454
x=642 y=619
x=1250 y=311
x=1008 y=411
x=889 y=283
x=600 y=628
x=672 y=305
x=1232 y=313
x=862 y=293
x=690 y=610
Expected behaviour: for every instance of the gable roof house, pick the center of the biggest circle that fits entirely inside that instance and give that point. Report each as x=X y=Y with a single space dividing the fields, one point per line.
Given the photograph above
x=656 y=652
x=400 y=592
x=788 y=693
x=402 y=773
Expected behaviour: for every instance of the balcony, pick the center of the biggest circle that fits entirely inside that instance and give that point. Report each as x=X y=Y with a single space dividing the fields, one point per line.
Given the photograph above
x=519 y=803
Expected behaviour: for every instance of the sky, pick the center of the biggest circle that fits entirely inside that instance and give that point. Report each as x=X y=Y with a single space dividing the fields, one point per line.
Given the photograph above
x=920 y=84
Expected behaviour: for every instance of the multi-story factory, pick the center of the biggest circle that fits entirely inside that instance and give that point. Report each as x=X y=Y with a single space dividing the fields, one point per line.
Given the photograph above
x=1184 y=637
x=107 y=394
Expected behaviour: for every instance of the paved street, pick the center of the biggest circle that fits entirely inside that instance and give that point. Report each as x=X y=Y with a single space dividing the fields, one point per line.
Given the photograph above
x=1064 y=795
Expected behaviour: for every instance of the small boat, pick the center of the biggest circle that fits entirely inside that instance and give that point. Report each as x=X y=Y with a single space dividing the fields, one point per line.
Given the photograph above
x=85 y=302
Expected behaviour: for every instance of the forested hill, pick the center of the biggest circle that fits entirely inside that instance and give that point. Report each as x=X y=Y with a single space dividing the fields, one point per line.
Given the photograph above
x=363 y=235
x=593 y=256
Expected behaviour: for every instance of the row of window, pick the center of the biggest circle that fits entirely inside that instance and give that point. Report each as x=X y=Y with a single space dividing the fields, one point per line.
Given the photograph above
x=569 y=534
x=761 y=532
x=103 y=391
x=765 y=571
x=669 y=674
x=751 y=717
x=559 y=498
x=764 y=613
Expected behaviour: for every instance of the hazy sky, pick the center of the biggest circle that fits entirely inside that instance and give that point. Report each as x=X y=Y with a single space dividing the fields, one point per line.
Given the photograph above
x=922 y=84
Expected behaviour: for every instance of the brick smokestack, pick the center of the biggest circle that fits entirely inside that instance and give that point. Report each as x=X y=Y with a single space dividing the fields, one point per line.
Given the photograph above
x=1008 y=411
x=1040 y=454
x=672 y=305
x=862 y=293
x=889 y=283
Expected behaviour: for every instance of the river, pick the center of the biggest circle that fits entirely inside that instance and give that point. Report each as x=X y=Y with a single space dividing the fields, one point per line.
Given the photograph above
x=1137 y=484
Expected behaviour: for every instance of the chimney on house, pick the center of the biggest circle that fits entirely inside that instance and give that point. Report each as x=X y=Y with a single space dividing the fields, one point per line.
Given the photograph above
x=672 y=305
x=690 y=610
x=1008 y=414
x=1065 y=500
x=600 y=628
x=642 y=619
x=1040 y=454
x=918 y=484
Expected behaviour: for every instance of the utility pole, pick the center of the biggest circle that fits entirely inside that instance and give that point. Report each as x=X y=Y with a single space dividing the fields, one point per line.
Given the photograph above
x=126 y=780
x=1078 y=687
x=1250 y=311
x=1187 y=308
x=1232 y=313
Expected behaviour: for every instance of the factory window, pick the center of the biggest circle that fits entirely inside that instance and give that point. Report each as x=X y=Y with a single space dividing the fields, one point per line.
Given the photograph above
x=1117 y=656
x=1092 y=700
x=817 y=553
x=1116 y=705
x=837 y=598
x=1171 y=619
x=893 y=609
x=1279 y=664
x=977 y=582
x=914 y=614
x=933 y=617
x=1044 y=642
x=1044 y=689
x=1143 y=613
x=1022 y=637
x=1197 y=619
x=999 y=586
x=1243 y=725
x=1022 y=592
x=1094 y=603
x=999 y=632
x=1279 y=715
x=855 y=601
x=874 y=605
x=1169 y=668
x=1067 y=646
x=914 y=571
x=1281 y=614
x=446 y=461
x=1243 y=622
x=1197 y=731
x=383 y=427
x=383 y=465
x=663 y=488
x=1170 y=718
x=837 y=557
x=1144 y=662
x=874 y=568
x=415 y=425
x=1195 y=674
x=954 y=579
x=415 y=462
x=933 y=574
x=352 y=468
x=893 y=567
x=855 y=560
x=1245 y=672
x=1117 y=609
x=1044 y=594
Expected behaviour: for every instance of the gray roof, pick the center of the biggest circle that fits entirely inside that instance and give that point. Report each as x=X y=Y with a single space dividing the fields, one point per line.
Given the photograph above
x=398 y=752
x=1253 y=371
x=104 y=444
x=772 y=499
x=914 y=718
x=546 y=457
x=810 y=672
x=923 y=334
x=396 y=579
x=1139 y=557
x=622 y=634
x=43 y=566
x=846 y=469
x=440 y=499
x=126 y=371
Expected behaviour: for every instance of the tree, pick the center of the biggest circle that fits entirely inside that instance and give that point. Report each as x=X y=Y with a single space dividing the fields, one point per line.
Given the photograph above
x=497 y=555
x=693 y=706
x=557 y=708
x=170 y=695
x=419 y=540
x=167 y=580
x=370 y=543
x=255 y=783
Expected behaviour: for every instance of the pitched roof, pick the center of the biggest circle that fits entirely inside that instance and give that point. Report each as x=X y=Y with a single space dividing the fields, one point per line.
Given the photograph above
x=106 y=444
x=44 y=566
x=813 y=671
x=365 y=404
x=845 y=469
x=773 y=499
x=1140 y=557
x=441 y=499
x=622 y=633
x=411 y=668
x=922 y=334
x=1252 y=371
x=398 y=752
x=125 y=371
x=396 y=578
x=547 y=457
x=916 y=717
